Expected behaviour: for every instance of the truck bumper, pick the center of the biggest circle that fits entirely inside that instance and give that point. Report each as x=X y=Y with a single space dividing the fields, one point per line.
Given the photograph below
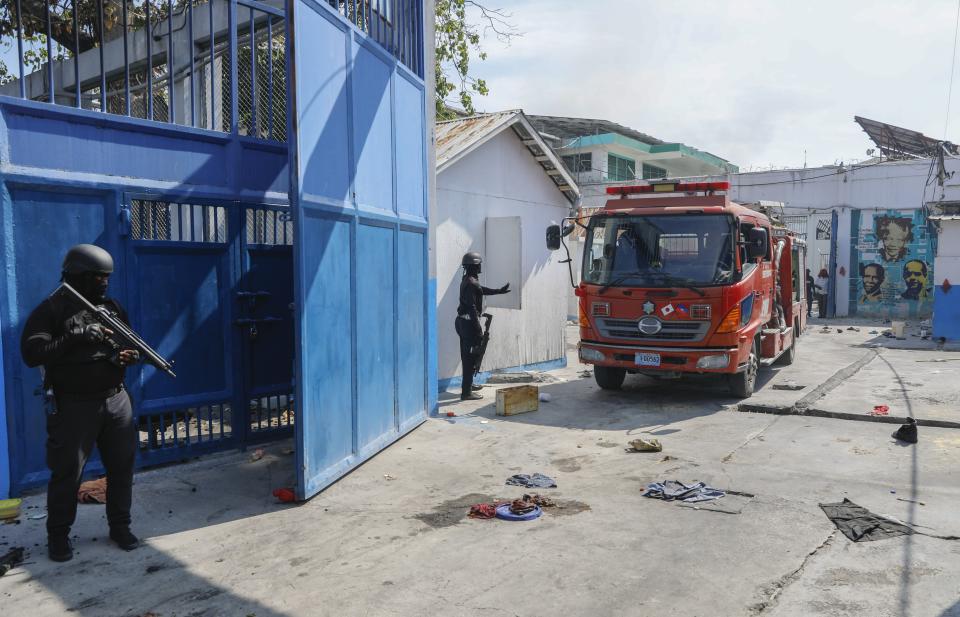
x=639 y=359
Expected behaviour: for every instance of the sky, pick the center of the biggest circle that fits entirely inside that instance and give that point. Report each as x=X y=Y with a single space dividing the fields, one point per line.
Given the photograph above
x=762 y=84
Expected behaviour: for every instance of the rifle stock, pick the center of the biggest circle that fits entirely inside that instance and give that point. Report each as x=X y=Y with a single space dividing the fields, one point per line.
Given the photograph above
x=482 y=347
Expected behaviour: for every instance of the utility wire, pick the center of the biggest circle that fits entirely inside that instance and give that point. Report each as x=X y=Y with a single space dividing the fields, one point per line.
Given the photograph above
x=733 y=185
x=832 y=173
x=953 y=63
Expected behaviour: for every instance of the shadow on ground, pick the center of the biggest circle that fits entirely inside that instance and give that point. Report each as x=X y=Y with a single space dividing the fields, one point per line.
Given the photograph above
x=643 y=402
x=167 y=502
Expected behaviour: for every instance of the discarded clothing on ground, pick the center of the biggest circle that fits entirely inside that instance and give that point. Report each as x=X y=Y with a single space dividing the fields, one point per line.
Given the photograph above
x=540 y=500
x=483 y=510
x=94 y=491
x=646 y=445
x=11 y=559
x=522 y=506
x=862 y=525
x=672 y=490
x=537 y=480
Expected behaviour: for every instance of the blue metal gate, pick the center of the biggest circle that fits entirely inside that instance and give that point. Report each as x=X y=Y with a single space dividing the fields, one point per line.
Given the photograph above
x=171 y=174
x=358 y=169
x=265 y=299
x=212 y=285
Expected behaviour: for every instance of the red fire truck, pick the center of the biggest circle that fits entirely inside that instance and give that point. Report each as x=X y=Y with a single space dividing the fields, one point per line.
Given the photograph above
x=678 y=279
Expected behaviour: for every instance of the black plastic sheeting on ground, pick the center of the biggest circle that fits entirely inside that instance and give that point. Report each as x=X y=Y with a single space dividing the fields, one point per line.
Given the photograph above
x=862 y=525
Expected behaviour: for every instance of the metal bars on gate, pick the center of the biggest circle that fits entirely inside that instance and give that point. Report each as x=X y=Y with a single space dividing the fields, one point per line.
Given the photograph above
x=178 y=428
x=394 y=24
x=178 y=222
x=163 y=60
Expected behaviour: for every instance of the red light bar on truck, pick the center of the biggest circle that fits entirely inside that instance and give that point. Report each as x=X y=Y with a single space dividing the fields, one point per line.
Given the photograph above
x=669 y=187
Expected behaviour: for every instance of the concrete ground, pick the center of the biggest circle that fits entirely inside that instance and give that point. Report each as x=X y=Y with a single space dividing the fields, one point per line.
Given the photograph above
x=392 y=538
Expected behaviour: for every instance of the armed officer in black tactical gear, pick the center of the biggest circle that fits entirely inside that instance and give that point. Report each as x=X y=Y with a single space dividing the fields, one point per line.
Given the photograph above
x=83 y=371
x=468 y=319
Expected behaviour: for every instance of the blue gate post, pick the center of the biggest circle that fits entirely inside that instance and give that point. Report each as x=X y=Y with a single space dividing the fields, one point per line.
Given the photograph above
x=832 y=285
x=854 y=277
x=430 y=79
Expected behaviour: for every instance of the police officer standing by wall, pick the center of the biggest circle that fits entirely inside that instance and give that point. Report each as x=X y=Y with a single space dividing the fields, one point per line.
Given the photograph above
x=85 y=371
x=468 y=319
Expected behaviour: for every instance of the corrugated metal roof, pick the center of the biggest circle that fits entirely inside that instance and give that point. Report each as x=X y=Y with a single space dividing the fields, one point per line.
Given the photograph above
x=457 y=138
x=564 y=127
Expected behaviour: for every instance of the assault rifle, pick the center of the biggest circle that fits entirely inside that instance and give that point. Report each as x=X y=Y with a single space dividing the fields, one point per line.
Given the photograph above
x=482 y=347
x=127 y=337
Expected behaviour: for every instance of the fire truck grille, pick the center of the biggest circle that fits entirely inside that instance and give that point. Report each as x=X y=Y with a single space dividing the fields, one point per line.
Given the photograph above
x=670 y=331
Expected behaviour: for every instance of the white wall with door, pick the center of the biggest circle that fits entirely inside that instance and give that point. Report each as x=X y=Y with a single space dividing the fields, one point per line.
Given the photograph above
x=499 y=201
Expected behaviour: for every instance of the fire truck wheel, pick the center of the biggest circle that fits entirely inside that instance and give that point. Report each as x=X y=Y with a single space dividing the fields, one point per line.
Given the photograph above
x=743 y=383
x=609 y=377
x=787 y=357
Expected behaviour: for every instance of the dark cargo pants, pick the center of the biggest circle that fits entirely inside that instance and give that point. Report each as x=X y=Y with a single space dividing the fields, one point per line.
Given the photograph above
x=468 y=357
x=71 y=433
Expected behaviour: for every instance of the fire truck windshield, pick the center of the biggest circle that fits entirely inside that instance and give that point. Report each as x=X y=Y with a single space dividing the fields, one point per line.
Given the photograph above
x=659 y=250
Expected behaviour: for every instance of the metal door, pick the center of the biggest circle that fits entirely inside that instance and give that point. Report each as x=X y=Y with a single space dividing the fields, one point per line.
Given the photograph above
x=265 y=321
x=180 y=259
x=212 y=286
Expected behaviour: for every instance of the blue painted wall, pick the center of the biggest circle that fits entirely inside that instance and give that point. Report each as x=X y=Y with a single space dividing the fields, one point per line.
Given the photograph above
x=363 y=324
x=946 y=313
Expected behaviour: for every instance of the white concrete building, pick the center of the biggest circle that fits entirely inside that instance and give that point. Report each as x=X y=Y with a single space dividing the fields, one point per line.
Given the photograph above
x=499 y=186
x=867 y=218
x=878 y=228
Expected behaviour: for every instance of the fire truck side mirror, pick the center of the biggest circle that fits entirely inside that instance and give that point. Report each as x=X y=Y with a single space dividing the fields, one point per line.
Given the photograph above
x=758 y=243
x=553 y=237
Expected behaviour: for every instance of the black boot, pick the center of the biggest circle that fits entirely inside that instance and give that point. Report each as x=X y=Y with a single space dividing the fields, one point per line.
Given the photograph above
x=907 y=432
x=59 y=548
x=124 y=538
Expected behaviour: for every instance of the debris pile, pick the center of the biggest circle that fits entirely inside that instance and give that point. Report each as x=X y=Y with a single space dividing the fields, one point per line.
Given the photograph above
x=646 y=445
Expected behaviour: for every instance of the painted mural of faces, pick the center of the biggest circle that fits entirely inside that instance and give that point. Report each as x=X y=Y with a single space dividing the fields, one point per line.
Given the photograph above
x=873 y=276
x=915 y=277
x=895 y=233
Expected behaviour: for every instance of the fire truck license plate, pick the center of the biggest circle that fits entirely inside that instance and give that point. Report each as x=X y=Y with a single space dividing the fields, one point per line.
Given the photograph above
x=647 y=359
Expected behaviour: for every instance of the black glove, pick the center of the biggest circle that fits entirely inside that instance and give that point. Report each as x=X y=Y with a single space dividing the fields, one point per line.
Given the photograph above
x=90 y=333
x=505 y=288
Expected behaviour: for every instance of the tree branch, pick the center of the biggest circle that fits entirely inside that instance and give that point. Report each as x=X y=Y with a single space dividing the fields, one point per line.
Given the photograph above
x=497 y=21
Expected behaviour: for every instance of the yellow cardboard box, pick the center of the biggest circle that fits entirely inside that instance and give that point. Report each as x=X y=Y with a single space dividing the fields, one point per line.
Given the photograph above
x=517 y=399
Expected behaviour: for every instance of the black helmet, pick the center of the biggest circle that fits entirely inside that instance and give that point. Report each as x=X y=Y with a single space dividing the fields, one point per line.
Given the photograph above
x=87 y=258
x=472 y=259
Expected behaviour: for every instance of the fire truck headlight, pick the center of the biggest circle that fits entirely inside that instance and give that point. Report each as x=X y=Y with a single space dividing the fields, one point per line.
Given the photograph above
x=591 y=355
x=720 y=361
